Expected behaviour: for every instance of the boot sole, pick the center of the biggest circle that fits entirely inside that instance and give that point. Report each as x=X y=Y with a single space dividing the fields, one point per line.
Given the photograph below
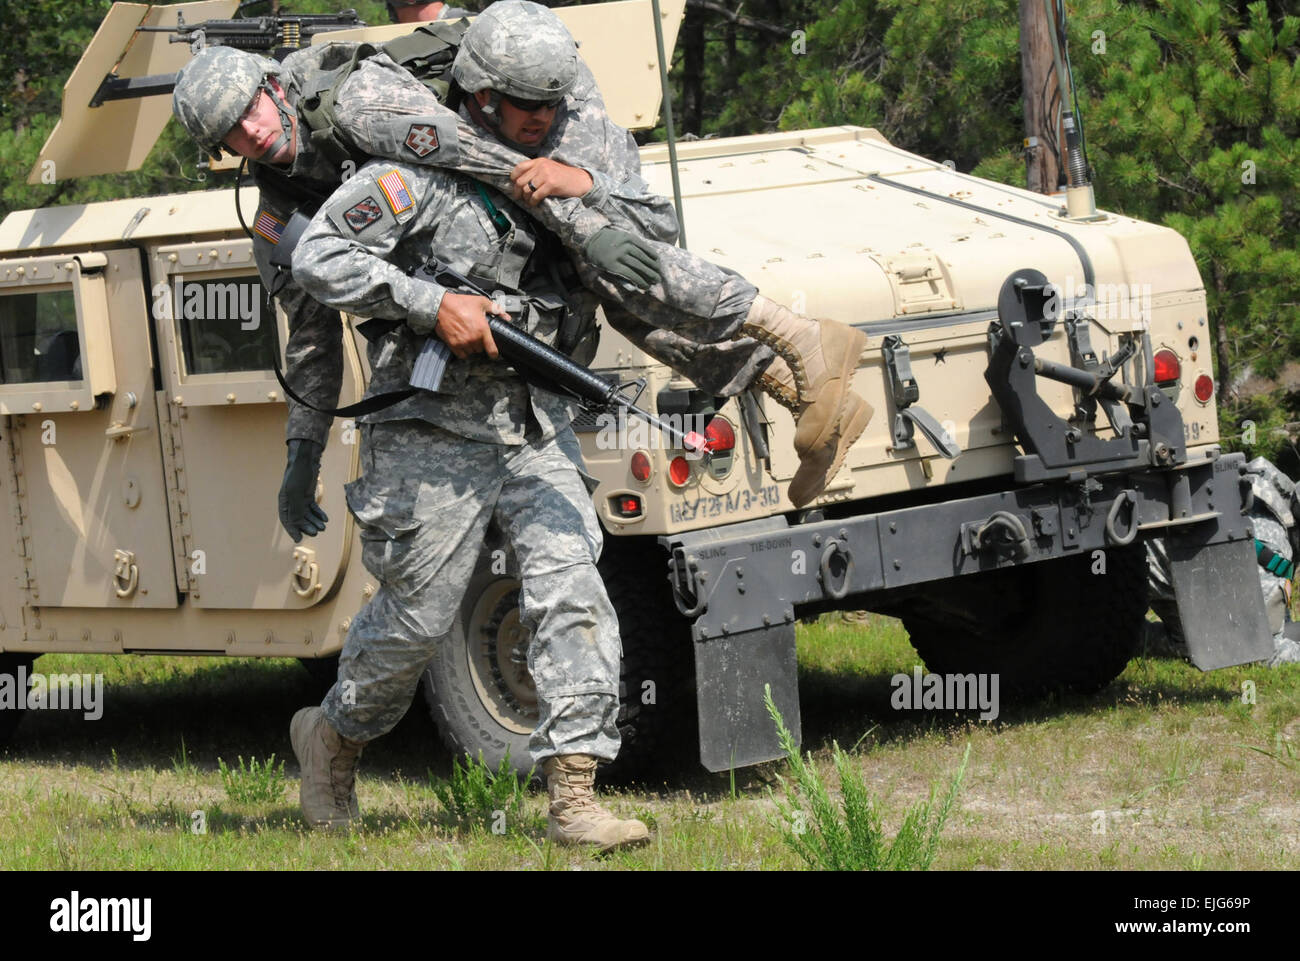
x=853 y=420
x=599 y=849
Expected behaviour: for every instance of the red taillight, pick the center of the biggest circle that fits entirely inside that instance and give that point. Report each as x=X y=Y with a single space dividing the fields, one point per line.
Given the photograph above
x=679 y=470
x=1204 y=388
x=722 y=439
x=1168 y=367
x=641 y=466
x=627 y=506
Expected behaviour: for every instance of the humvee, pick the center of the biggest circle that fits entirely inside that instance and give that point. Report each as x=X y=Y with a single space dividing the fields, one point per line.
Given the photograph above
x=986 y=505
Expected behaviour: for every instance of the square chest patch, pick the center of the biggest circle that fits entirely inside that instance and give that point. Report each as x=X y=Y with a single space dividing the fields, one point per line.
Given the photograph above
x=361 y=215
x=422 y=139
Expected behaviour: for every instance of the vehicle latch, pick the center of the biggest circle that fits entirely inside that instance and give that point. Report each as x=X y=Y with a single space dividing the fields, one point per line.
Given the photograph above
x=906 y=392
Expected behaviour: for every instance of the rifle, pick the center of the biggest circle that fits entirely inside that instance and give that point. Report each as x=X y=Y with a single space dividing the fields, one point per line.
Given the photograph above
x=536 y=362
x=274 y=33
x=277 y=35
x=539 y=362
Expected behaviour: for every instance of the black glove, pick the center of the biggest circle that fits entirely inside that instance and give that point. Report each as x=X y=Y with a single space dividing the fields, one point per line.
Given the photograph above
x=625 y=255
x=299 y=512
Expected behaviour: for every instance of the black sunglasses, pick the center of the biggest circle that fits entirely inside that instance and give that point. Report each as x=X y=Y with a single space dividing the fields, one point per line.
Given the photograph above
x=532 y=106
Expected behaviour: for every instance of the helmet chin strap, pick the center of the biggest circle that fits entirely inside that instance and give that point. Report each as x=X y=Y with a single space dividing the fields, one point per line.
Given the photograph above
x=286 y=122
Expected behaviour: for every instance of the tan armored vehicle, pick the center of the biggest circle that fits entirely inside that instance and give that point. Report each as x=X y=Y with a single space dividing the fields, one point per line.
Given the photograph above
x=1027 y=437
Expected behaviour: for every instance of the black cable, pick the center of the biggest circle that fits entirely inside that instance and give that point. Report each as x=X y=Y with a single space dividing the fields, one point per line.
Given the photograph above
x=1051 y=118
x=1074 y=89
x=239 y=211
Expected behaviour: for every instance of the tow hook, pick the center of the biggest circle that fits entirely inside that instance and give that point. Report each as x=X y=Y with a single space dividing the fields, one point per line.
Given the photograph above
x=1002 y=533
x=836 y=569
x=1113 y=535
x=685 y=575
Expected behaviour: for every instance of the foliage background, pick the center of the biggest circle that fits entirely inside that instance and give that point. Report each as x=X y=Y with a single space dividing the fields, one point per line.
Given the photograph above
x=1184 y=102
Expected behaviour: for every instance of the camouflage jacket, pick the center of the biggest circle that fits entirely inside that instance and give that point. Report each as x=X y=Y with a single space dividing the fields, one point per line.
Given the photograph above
x=392 y=216
x=387 y=113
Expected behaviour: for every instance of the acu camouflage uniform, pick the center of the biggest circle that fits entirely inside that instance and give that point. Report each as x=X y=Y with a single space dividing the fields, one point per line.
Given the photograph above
x=685 y=321
x=439 y=467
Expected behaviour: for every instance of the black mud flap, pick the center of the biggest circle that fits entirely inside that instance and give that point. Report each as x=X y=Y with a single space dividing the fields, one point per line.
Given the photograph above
x=730 y=673
x=1220 y=604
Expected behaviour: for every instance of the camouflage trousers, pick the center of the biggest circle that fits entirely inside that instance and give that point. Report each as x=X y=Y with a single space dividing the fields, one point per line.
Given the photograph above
x=424 y=504
x=688 y=320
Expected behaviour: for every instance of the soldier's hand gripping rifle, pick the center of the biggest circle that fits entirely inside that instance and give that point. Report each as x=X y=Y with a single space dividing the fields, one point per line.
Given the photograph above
x=536 y=362
x=540 y=363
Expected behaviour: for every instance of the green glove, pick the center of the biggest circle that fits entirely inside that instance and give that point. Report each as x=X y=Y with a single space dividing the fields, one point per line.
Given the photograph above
x=299 y=512
x=625 y=255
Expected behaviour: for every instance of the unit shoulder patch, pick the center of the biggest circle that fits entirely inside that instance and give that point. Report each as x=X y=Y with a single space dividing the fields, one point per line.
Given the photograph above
x=362 y=214
x=421 y=139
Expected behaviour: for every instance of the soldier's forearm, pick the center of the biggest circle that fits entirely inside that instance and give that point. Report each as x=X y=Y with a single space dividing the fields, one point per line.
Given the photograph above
x=342 y=275
x=631 y=206
x=313 y=362
x=490 y=161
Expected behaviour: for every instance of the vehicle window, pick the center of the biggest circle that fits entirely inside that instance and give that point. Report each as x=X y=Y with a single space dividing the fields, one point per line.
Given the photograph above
x=226 y=324
x=38 y=337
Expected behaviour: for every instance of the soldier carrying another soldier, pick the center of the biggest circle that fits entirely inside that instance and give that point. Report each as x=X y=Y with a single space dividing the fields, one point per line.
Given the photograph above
x=705 y=321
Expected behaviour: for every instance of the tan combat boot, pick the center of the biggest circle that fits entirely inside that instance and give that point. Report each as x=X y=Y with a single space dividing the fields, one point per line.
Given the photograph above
x=574 y=816
x=329 y=764
x=812 y=376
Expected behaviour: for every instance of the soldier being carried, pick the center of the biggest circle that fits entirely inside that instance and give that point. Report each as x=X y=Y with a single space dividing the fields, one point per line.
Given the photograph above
x=322 y=108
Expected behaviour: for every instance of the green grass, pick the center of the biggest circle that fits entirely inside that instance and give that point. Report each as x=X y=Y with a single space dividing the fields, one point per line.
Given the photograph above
x=259 y=782
x=477 y=798
x=848 y=836
x=1185 y=774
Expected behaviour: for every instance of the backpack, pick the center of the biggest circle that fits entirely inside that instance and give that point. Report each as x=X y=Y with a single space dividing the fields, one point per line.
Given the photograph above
x=426 y=53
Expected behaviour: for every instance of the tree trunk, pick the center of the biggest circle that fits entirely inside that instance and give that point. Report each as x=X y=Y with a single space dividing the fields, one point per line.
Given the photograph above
x=1038 y=77
x=693 y=73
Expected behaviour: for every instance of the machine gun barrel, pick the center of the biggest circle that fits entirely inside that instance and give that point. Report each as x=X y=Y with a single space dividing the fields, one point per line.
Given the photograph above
x=269 y=33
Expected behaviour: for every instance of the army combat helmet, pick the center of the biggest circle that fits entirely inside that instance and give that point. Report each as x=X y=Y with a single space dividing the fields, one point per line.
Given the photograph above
x=215 y=89
x=519 y=50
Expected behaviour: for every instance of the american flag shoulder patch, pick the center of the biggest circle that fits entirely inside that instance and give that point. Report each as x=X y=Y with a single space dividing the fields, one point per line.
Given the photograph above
x=395 y=192
x=268 y=227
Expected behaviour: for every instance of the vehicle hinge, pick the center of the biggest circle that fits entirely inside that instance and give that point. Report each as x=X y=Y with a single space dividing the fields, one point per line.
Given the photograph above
x=178 y=505
x=908 y=415
x=17 y=484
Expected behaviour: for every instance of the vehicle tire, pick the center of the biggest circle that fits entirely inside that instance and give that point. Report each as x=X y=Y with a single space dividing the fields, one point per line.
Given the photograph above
x=476 y=686
x=657 y=718
x=481 y=697
x=1049 y=626
x=9 y=720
